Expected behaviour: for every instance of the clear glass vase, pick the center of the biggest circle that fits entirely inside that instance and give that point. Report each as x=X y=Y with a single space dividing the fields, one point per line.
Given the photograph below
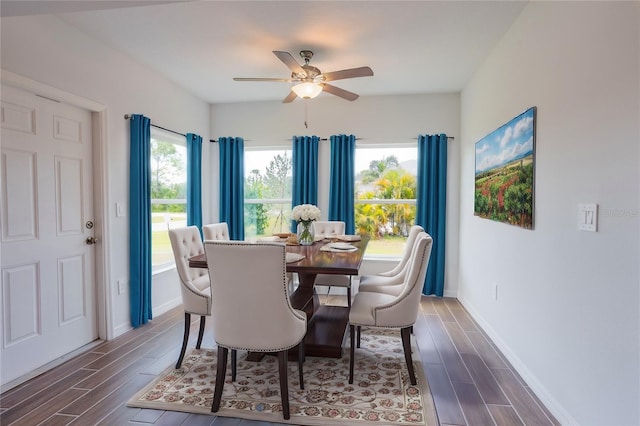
x=306 y=233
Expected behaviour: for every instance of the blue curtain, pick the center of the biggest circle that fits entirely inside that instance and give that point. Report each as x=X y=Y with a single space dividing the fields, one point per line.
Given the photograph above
x=305 y=172
x=194 y=180
x=140 y=220
x=232 y=185
x=432 y=202
x=341 y=184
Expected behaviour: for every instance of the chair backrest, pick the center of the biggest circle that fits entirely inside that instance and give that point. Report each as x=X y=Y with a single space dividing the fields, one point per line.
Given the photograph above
x=406 y=254
x=216 y=231
x=186 y=242
x=403 y=311
x=251 y=305
x=328 y=228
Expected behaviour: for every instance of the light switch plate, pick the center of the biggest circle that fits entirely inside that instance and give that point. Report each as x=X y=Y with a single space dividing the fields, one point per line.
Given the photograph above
x=119 y=210
x=588 y=217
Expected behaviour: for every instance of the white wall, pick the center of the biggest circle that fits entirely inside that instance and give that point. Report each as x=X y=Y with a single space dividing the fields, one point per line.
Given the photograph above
x=49 y=51
x=567 y=313
x=373 y=120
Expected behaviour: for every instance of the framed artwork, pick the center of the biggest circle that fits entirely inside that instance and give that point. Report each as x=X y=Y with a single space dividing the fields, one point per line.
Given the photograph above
x=505 y=164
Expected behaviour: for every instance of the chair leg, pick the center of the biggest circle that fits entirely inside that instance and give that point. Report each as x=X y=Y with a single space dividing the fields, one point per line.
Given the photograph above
x=185 y=339
x=220 y=376
x=406 y=345
x=358 y=331
x=234 y=358
x=301 y=362
x=349 y=296
x=284 y=385
x=203 y=322
x=352 y=352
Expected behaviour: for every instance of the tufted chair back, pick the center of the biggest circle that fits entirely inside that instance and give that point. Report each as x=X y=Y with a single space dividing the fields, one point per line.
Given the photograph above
x=216 y=231
x=406 y=254
x=391 y=282
x=251 y=307
x=194 y=282
x=328 y=228
x=196 y=292
x=246 y=278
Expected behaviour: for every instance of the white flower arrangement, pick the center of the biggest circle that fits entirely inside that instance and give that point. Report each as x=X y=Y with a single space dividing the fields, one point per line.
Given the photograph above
x=305 y=213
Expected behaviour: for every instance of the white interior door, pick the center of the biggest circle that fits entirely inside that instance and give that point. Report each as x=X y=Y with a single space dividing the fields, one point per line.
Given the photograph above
x=48 y=285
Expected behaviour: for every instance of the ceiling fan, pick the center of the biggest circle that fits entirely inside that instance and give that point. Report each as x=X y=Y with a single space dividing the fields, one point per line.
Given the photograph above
x=310 y=80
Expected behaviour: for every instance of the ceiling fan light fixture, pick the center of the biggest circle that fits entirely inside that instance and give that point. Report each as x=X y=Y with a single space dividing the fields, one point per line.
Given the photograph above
x=307 y=90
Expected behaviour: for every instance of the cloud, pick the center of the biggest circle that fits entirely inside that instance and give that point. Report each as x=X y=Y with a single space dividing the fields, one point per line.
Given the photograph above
x=481 y=150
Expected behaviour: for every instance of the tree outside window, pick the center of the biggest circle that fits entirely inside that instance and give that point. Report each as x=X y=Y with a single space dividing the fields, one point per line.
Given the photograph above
x=268 y=192
x=168 y=193
x=385 y=204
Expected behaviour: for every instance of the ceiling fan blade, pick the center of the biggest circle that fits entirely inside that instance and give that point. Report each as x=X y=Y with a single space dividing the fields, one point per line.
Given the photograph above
x=348 y=73
x=285 y=80
x=290 y=97
x=345 y=94
x=290 y=62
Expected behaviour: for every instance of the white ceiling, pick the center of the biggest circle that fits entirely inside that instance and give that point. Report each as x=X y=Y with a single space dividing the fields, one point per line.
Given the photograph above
x=412 y=46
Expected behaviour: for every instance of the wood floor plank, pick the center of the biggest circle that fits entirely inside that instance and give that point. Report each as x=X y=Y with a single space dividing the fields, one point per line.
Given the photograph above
x=447 y=407
x=504 y=415
x=120 y=416
x=427 y=307
x=49 y=408
x=426 y=345
x=117 y=398
x=462 y=317
x=103 y=390
x=172 y=418
x=486 y=350
x=459 y=338
x=37 y=401
x=473 y=407
x=58 y=420
x=199 y=420
x=484 y=380
x=450 y=356
x=442 y=310
x=43 y=381
x=526 y=407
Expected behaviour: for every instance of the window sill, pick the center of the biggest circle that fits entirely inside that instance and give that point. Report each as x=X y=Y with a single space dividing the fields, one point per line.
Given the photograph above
x=162 y=270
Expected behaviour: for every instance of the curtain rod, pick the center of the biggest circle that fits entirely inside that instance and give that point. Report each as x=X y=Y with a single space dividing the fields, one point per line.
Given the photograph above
x=360 y=139
x=127 y=116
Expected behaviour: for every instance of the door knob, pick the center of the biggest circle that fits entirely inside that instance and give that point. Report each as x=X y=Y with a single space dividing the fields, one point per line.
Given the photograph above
x=91 y=240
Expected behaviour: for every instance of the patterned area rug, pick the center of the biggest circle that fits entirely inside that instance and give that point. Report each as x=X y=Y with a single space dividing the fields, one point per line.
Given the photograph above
x=381 y=392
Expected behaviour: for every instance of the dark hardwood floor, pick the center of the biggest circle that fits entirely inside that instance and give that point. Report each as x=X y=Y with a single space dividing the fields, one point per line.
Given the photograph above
x=470 y=380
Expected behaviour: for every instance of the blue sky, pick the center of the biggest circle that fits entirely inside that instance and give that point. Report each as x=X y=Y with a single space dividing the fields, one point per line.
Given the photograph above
x=506 y=143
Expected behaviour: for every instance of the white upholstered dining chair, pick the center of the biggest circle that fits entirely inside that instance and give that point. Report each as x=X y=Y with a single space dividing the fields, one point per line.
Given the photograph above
x=251 y=308
x=372 y=309
x=390 y=282
x=194 y=282
x=328 y=229
x=216 y=231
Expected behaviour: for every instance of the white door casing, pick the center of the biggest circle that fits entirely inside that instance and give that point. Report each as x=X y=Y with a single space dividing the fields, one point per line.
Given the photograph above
x=48 y=303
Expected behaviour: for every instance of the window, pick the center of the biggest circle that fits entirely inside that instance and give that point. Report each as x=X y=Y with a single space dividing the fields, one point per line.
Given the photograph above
x=267 y=191
x=384 y=176
x=168 y=193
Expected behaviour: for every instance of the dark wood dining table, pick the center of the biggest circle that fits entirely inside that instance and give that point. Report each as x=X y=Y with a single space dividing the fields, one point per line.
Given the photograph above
x=326 y=324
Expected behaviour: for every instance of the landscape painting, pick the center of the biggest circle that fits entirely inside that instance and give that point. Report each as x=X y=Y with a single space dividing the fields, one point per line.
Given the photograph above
x=505 y=160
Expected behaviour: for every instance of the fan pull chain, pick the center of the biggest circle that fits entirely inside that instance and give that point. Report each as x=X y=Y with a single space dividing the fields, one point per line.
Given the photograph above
x=306 y=126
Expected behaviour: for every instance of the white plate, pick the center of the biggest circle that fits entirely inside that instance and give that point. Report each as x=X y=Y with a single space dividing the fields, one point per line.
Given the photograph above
x=341 y=246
